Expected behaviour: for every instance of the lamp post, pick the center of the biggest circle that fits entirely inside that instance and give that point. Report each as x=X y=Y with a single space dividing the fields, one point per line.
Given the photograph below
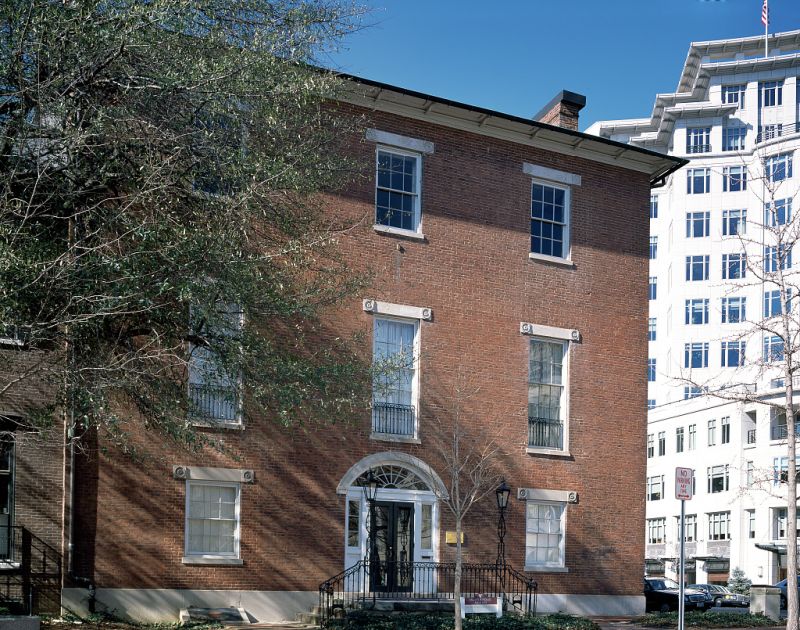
x=370 y=494
x=502 y=492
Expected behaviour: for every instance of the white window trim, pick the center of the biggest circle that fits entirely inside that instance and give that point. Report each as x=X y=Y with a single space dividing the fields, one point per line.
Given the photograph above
x=410 y=315
x=396 y=140
x=551 y=174
x=549 y=497
x=388 y=229
x=210 y=558
x=555 y=180
x=568 y=337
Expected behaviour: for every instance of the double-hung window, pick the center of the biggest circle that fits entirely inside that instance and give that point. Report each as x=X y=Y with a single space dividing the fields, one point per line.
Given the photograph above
x=655 y=488
x=734 y=222
x=662 y=443
x=547 y=393
x=697 y=311
x=698 y=140
x=651 y=329
x=394 y=399
x=734 y=310
x=689 y=527
x=653 y=288
x=778 y=167
x=679 y=440
x=725 y=430
x=651 y=449
x=734 y=179
x=550 y=220
x=719 y=525
x=653 y=247
x=544 y=534
x=692 y=437
x=214 y=380
x=734 y=94
x=712 y=432
x=734 y=266
x=772 y=302
x=733 y=353
x=695 y=355
x=212 y=520
x=697 y=268
x=773 y=348
x=397 y=192
x=733 y=138
x=698 y=181
x=655 y=530
x=697 y=224
x=778 y=213
x=777 y=257
x=770 y=93
x=651 y=370
x=653 y=206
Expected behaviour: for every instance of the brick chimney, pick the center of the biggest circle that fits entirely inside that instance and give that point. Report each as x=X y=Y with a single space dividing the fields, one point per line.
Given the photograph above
x=563 y=110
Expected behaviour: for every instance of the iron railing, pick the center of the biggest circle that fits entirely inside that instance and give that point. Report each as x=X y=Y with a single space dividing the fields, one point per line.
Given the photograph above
x=698 y=148
x=751 y=436
x=30 y=572
x=423 y=581
x=393 y=419
x=776 y=131
x=779 y=431
x=216 y=403
x=545 y=433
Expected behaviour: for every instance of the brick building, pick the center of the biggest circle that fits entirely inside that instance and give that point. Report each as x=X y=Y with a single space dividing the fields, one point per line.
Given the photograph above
x=509 y=259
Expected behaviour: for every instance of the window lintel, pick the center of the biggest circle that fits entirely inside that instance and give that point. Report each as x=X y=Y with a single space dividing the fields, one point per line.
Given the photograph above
x=201 y=473
x=396 y=140
x=376 y=307
x=551 y=174
x=539 y=330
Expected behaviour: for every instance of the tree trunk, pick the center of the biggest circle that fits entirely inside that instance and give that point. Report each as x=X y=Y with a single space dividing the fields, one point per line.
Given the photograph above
x=457 y=576
x=791 y=503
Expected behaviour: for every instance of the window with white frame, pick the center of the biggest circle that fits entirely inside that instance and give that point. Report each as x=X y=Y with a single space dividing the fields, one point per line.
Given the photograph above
x=353 y=535
x=212 y=519
x=651 y=329
x=712 y=432
x=653 y=206
x=718 y=479
x=550 y=219
x=734 y=179
x=770 y=93
x=547 y=392
x=778 y=167
x=734 y=266
x=544 y=534
x=696 y=311
x=691 y=391
x=772 y=302
x=697 y=224
x=662 y=443
x=734 y=222
x=750 y=516
x=734 y=310
x=656 y=530
x=679 y=440
x=697 y=268
x=778 y=213
x=397 y=189
x=698 y=139
x=773 y=348
x=777 y=257
x=719 y=525
x=733 y=138
x=394 y=388
x=653 y=288
x=734 y=94
x=780 y=465
x=779 y=524
x=749 y=472
x=653 y=247
x=695 y=355
x=725 y=430
x=651 y=370
x=213 y=380
x=651 y=403
x=698 y=181
x=733 y=353
x=655 y=488
x=769 y=131
x=692 y=437
x=650 y=445
x=689 y=527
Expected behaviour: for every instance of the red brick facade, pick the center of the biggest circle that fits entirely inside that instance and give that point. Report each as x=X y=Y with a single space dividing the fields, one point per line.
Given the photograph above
x=473 y=270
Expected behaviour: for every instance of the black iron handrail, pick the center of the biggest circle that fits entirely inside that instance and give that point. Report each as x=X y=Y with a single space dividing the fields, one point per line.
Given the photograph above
x=392 y=419
x=545 y=433
x=29 y=570
x=360 y=586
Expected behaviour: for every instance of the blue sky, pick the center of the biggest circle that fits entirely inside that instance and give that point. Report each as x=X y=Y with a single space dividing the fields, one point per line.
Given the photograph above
x=515 y=55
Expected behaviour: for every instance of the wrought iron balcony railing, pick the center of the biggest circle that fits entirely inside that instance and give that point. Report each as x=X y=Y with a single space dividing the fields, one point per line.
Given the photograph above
x=780 y=431
x=776 y=131
x=393 y=419
x=545 y=433
x=214 y=403
x=698 y=148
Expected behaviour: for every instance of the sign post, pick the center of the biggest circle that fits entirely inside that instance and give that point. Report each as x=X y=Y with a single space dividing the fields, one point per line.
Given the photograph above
x=683 y=491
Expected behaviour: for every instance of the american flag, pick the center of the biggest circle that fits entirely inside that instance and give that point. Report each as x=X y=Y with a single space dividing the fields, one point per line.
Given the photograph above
x=765 y=14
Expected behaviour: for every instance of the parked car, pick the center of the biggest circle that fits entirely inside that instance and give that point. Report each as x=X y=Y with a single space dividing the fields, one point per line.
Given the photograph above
x=722 y=595
x=661 y=594
x=782 y=585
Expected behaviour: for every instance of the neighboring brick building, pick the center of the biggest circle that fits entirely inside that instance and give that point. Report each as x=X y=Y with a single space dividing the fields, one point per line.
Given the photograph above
x=506 y=254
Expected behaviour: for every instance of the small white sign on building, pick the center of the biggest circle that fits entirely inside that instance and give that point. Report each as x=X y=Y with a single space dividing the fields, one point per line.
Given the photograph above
x=683 y=483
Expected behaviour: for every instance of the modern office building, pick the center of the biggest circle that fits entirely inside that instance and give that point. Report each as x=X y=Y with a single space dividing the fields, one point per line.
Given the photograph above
x=713 y=248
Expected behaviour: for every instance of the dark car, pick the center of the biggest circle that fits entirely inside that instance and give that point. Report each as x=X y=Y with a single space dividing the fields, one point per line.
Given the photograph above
x=722 y=595
x=782 y=585
x=661 y=594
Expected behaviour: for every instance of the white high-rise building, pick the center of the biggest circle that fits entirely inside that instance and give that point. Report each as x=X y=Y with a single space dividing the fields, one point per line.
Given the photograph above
x=735 y=117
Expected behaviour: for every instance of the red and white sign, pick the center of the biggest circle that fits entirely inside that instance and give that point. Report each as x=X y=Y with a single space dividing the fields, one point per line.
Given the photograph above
x=683 y=483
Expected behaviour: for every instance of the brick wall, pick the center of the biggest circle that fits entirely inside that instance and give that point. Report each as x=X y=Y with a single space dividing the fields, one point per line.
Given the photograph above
x=473 y=270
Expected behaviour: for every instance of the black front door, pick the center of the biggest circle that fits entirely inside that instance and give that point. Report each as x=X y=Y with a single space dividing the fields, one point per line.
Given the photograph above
x=391 y=566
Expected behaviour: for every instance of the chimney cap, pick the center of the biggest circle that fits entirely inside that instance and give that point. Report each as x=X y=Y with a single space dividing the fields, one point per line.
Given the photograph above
x=578 y=101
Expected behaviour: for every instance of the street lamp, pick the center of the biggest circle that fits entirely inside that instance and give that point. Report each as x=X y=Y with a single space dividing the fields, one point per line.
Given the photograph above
x=502 y=493
x=370 y=494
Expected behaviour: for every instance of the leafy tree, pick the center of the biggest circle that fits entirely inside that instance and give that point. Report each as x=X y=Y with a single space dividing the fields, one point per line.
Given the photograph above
x=164 y=157
x=739 y=582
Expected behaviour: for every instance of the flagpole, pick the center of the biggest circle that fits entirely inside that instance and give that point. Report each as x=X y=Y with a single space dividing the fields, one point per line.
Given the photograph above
x=766 y=28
